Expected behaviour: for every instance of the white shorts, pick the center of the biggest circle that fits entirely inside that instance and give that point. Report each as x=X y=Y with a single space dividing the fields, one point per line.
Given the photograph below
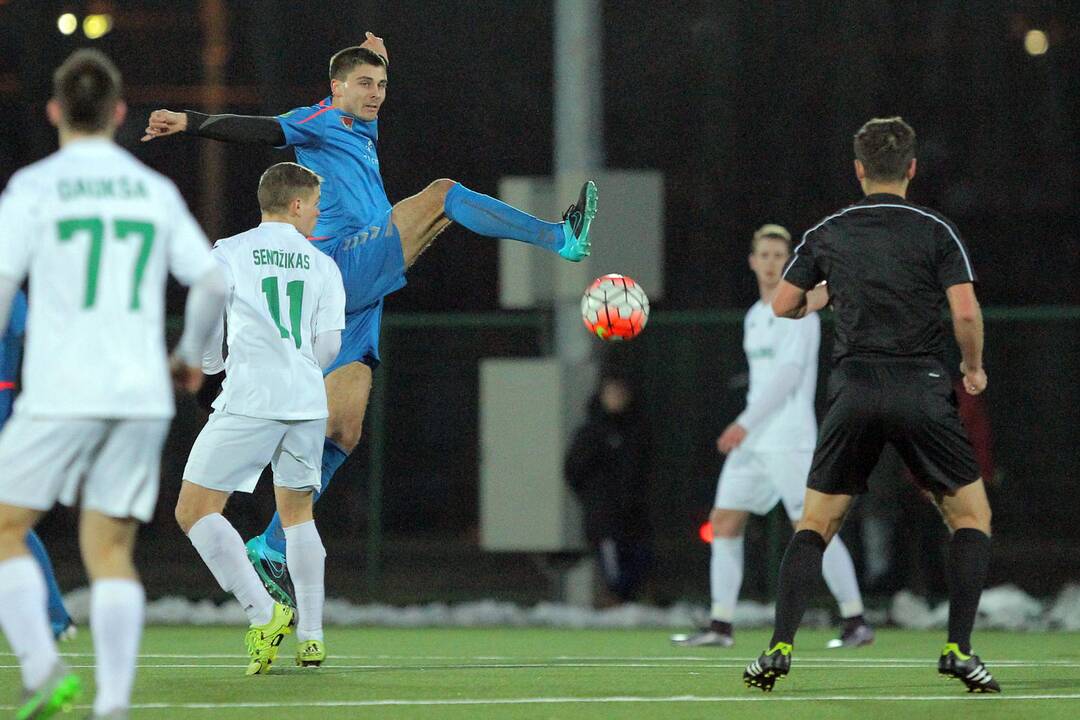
x=233 y=450
x=116 y=463
x=755 y=480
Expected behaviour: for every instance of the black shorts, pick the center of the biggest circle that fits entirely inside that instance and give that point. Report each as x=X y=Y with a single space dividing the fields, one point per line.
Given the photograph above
x=909 y=403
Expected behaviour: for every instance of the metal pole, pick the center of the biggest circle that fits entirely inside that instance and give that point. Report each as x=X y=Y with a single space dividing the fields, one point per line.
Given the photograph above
x=578 y=153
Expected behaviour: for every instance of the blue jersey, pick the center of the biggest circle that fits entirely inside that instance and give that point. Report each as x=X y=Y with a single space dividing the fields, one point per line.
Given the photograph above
x=355 y=227
x=10 y=352
x=17 y=323
x=341 y=148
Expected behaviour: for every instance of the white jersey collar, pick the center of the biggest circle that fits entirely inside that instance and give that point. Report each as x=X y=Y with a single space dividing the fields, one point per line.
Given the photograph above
x=275 y=226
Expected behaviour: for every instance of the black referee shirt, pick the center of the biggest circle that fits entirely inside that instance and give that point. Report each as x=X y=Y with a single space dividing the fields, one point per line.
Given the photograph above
x=888 y=263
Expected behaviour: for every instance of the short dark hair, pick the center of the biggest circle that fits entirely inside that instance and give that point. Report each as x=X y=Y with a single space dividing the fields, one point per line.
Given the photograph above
x=283 y=182
x=87 y=85
x=344 y=61
x=886 y=147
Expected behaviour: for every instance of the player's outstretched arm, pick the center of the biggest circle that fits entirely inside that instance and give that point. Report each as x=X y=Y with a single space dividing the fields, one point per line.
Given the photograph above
x=260 y=129
x=164 y=122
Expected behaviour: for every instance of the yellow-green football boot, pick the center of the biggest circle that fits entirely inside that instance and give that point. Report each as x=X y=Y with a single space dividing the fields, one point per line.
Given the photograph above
x=310 y=653
x=262 y=641
x=56 y=695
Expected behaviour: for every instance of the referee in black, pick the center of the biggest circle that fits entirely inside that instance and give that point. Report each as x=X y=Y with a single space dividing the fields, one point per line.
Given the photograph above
x=888 y=266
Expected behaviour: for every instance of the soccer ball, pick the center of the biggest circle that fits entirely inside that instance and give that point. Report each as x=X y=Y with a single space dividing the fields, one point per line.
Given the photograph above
x=615 y=308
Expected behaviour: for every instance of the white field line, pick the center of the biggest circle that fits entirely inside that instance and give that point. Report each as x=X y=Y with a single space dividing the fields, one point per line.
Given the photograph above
x=728 y=664
x=484 y=666
x=598 y=700
x=802 y=661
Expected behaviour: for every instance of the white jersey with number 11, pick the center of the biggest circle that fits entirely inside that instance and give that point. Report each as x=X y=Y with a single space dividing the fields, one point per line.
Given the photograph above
x=282 y=294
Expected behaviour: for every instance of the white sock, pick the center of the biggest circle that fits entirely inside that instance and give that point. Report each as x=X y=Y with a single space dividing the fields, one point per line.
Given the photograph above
x=116 y=622
x=25 y=620
x=222 y=549
x=839 y=573
x=307 y=565
x=725 y=577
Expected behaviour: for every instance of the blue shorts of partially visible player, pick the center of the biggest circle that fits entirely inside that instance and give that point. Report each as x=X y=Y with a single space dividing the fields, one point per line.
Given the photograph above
x=11 y=344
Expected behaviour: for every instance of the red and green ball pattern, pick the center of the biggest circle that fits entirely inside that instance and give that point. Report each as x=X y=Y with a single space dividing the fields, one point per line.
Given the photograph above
x=615 y=308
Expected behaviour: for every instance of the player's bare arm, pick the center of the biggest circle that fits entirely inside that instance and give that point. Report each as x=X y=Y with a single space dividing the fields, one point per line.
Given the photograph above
x=789 y=301
x=186 y=378
x=793 y=302
x=731 y=438
x=968 y=328
x=818 y=298
x=164 y=122
x=376 y=45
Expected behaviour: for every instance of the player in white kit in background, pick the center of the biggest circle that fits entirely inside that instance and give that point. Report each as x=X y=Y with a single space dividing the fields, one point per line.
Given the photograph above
x=97 y=233
x=770 y=446
x=285 y=313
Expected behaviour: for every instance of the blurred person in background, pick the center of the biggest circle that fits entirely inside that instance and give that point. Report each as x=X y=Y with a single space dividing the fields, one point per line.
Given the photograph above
x=609 y=468
x=769 y=448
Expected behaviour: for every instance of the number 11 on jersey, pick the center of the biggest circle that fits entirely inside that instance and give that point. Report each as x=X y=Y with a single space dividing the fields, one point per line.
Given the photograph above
x=294 y=289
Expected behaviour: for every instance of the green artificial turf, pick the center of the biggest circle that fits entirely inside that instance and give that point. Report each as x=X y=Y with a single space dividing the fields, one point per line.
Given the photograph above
x=197 y=672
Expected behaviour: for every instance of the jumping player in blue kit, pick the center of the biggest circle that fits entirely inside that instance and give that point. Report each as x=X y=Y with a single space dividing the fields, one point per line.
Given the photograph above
x=372 y=241
x=10 y=354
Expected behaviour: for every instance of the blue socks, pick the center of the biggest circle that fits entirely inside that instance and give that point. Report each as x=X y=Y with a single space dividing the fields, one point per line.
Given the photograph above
x=58 y=614
x=485 y=215
x=332 y=458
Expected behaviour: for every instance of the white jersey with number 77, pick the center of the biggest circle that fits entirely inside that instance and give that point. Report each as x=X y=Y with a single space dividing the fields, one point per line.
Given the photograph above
x=97 y=232
x=282 y=294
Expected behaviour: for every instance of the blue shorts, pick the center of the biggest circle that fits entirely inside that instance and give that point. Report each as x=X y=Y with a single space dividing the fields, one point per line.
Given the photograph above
x=360 y=338
x=371 y=262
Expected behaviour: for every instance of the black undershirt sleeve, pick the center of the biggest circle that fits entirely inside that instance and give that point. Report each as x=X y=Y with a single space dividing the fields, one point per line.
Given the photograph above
x=236 y=128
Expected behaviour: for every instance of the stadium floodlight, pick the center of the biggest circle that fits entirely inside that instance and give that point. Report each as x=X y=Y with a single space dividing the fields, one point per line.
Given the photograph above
x=1036 y=42
x=95 y=26
x=67 y=23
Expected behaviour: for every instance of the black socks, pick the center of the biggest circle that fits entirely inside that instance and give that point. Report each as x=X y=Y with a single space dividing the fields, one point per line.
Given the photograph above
x=799 y=573
x=969 y=561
